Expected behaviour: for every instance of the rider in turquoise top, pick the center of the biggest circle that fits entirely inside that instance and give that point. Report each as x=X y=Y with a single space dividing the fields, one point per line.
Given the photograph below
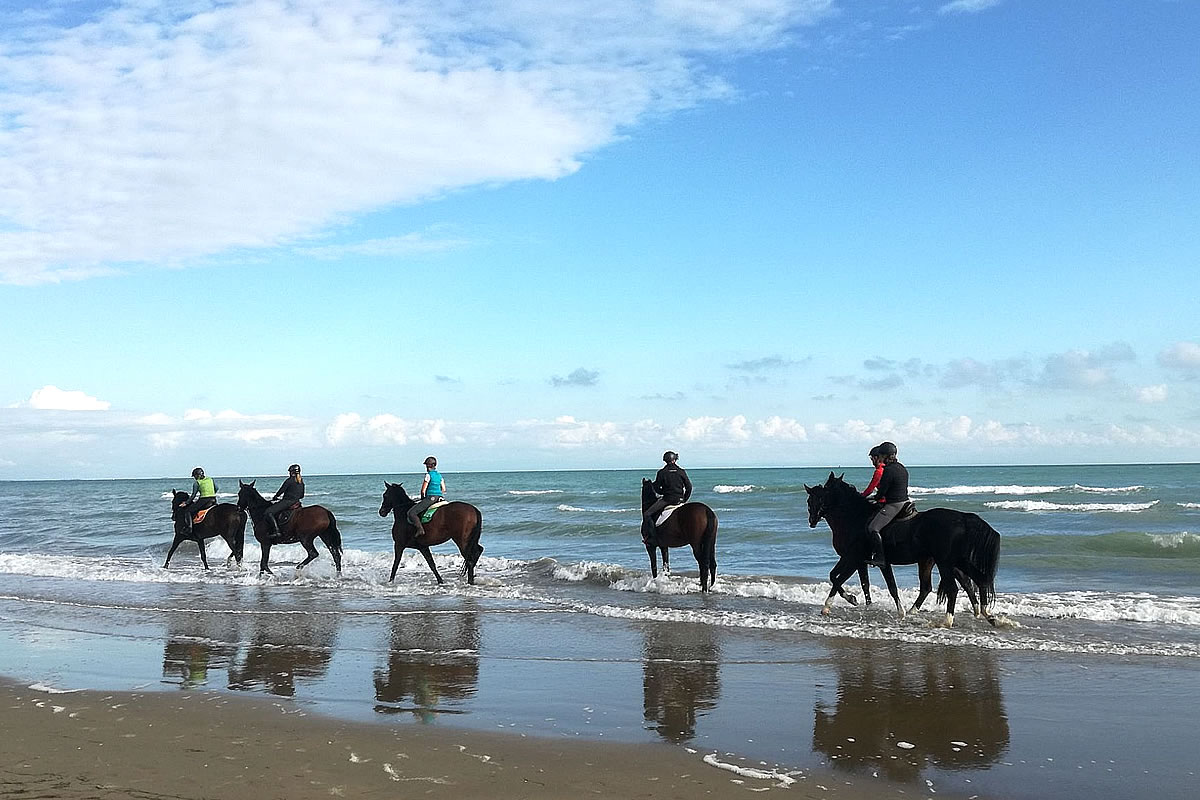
x=433 y=490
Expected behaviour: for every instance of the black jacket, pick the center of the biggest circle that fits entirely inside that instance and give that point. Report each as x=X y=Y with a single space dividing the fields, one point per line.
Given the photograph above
x=672 y=484
x=291 y=490
x=893 y=485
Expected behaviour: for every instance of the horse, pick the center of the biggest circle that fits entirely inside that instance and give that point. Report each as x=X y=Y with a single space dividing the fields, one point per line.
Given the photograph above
x=304 y=526
x=692 y=523
x=853 y=553
x=225 y=520
x=455 y=520
x=961 y=544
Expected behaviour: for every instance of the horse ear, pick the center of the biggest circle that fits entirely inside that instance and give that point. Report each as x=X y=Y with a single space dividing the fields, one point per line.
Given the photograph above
x=808 y=488
x=842 y=477
x=830 y=474
x=251 y=483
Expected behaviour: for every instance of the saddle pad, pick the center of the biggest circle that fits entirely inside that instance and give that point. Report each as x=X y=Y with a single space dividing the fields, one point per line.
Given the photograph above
x=666 y=513
x=907 y=511
x=429 y=512
x=201 y=514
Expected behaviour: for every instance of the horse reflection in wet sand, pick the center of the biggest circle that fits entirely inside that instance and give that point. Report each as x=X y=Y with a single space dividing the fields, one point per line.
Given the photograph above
x=946 y=702
x=432 y=662
x=681 y=677
x=283 y=650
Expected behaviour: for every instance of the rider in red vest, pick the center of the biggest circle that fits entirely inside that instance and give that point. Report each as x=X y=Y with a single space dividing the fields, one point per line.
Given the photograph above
x=891 y=493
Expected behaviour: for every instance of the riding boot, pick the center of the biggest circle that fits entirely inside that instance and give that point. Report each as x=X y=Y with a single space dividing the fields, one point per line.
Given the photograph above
x=272 y=524
x=420 y=534
x=876 y=558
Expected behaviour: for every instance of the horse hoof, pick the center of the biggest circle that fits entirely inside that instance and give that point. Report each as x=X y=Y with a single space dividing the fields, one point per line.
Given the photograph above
x=851 y=599
x=825 y=611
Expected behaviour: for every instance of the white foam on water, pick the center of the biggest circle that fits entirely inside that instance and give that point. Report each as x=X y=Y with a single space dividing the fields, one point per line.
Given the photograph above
x=725 y=489
x=523 y=492
x=1108 y=489
x=1173 y=541
x=41 y=687
x=987 y=489
x=1188 y=505
x=576 y=509
x=1044 y=505
x=749 y=772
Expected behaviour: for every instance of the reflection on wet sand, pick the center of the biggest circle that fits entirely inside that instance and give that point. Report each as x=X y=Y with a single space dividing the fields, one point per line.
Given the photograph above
x=681 y=677
x=432 y=661
x=284 y=649
x=197 y=643
x=945 y=702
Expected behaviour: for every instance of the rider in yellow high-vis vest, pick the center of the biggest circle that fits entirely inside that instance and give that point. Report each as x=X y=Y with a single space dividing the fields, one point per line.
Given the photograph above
x=204 y=495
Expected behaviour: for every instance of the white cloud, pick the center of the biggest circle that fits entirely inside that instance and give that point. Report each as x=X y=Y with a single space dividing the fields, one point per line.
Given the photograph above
x=351 y=429
x=150 y=135
x=968 y=6
x=1152 y=394
x=1181 y=355
x=785 y=430
x=52 y=398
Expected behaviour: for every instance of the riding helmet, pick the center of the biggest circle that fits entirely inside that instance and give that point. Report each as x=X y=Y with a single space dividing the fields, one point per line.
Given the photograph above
x=670 y=456
x=198 y=473
x=887 y=449
x=294 y=469
x=874 y=452
x=431 y=461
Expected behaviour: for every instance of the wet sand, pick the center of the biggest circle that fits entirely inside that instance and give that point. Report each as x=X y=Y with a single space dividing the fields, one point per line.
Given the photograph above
x=480 y=698
x=92 y=744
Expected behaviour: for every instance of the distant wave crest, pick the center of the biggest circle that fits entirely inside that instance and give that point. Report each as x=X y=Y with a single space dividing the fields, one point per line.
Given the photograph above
x=722 y=488
x=1045 y=505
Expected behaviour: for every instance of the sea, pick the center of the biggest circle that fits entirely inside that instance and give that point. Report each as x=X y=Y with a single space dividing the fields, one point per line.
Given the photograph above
x=1099 y=567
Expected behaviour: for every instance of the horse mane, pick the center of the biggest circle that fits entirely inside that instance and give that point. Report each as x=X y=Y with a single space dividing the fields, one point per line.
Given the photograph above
x=403 y=502
x=846 y=493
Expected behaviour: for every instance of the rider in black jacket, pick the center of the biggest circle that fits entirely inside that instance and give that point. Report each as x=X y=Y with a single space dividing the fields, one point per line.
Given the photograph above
x=891 y=494
x=673 y=487
x=290 y=493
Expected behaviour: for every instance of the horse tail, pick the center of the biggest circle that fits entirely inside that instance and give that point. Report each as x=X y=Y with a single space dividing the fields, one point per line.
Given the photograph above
x=335 y=536
x=473 y=548
x=710 y=544
x=982 y=556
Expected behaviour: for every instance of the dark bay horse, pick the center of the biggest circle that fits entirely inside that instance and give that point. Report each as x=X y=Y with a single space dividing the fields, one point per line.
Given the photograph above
x=305 y=526
x=964 y=547
x=456 y=520
x=224 y=519
x=692 y=523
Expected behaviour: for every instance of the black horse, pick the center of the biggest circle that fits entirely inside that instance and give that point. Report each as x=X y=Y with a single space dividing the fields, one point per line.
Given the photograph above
x=225 y=520
x=692 y=523
x=303 y=527
x=457 y=520
x=962 y=545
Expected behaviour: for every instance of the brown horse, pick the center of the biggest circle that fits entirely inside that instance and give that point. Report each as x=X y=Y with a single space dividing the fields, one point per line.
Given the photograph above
x=691 y=523
x=225 y=520
x=459 y=521
x=303 y=527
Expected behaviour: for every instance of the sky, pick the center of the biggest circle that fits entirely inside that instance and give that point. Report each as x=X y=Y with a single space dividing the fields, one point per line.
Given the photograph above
x=528 y=235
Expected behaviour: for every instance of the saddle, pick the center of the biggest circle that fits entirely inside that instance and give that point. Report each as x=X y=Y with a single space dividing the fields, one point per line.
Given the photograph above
x=285 y=516
x=666 y=514
x=201 y=514
x=433 y=509
x=907 y=512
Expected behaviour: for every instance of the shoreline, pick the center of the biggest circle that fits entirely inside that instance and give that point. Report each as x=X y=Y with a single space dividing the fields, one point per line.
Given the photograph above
x=93 y=744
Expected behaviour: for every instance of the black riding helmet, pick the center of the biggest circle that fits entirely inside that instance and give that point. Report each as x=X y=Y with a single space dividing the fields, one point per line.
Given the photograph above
x=887 y=449
x=294 y=469
x=670 y=456
x=430 y=461
x=198 y=473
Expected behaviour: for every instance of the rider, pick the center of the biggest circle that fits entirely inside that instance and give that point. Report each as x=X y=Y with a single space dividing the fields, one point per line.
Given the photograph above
x=204 y=495
x=672 y=486
x=433 y=490
x=891 y=494
x=877 y=463
x=291 y=490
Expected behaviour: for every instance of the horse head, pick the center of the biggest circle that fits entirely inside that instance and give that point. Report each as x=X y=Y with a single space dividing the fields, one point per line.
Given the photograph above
x=394 y=497
x=816 y=504
x=248 y=495
x=178 y=501
x=648 y=493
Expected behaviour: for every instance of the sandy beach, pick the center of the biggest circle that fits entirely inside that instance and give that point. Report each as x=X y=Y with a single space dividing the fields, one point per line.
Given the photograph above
x=90 y=744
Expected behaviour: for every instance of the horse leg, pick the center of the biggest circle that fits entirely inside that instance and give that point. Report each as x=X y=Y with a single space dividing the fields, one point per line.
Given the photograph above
x=890 y=577
x=179 y=539
x=969 y=588
x=264 y=562
x=399 y=547
x=653 y=560
x=837 y=576
x=666 y=556
x=307 y=543
x=864 y=580
x=334 y=551
x=429 y=560
x=698 y=552
x=925 y=574
x=948 y=586
x=203 y=555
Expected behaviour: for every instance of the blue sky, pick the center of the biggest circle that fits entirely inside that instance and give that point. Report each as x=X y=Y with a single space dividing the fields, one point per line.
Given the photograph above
x=523 y=235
